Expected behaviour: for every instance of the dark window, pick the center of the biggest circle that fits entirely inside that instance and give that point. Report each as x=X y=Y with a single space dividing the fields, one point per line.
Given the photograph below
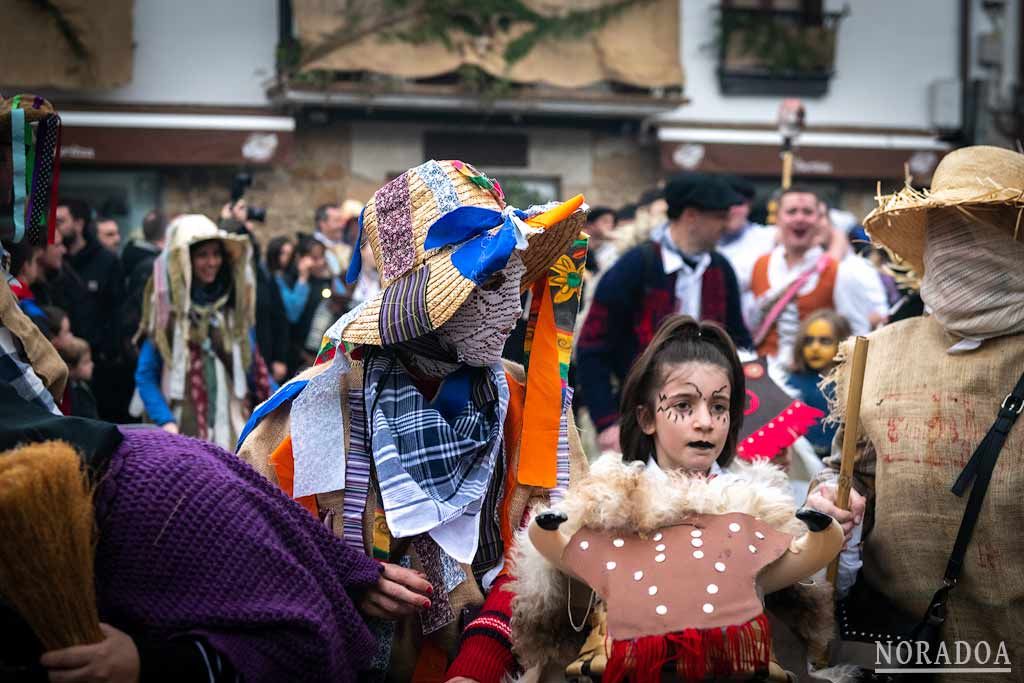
x=508 y=150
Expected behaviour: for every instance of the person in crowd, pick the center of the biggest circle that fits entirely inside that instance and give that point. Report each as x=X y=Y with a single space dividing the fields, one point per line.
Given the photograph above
x=744 y=241
x=648 y=217
x=78 y=398
x=108 y=234
x=814 y=353
x=280 y=253
x=137 y=261
x=263 y=593
x=367 y=285
x=25 y=271
x=271 y=319
x=336 y=227
x=679 y=272
x=203 y=572
x=682 y=411
x=94 y=300
x=59 y=325
x=49 y=288
x=431 y=419
x=933 y=387
x=197 y=334
x=603 y=253
x=798 y=276
x=304 y=290
x=872 y=306
x=138 y=256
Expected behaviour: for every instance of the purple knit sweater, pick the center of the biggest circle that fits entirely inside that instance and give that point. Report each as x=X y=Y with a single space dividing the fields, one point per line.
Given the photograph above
x=194 y=542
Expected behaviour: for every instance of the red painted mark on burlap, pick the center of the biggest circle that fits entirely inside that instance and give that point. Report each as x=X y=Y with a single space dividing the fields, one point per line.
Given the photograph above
x=893 y=432
x=987 y=557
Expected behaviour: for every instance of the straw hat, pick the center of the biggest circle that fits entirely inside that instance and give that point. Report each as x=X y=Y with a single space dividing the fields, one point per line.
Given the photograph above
x=971 y=178
x=425 y=281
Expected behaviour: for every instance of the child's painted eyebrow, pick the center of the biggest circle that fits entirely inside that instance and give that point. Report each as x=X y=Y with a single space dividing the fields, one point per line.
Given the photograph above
x=719 y=390
x=685 y=394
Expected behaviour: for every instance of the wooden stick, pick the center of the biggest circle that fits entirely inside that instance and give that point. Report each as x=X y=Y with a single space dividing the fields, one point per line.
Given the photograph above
x=850 y=429
x=787 y=169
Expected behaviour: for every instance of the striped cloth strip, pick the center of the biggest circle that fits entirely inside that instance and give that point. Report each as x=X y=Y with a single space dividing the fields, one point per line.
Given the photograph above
x=403 y=310
x=357 y=471
x=557 y=494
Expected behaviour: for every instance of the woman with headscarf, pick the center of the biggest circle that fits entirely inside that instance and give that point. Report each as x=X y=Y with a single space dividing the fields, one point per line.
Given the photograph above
x=199 y=372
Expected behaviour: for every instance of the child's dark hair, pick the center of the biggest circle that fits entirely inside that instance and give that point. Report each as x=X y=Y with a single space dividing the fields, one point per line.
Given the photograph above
x=680 y=339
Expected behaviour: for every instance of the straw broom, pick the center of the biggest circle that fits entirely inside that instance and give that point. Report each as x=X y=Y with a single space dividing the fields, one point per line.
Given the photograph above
x=47 y=544
x=850 y=429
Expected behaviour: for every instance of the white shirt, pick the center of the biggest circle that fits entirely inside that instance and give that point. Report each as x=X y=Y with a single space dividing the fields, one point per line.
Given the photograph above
x=689 y=284
x=742 y=253
x=855 y=295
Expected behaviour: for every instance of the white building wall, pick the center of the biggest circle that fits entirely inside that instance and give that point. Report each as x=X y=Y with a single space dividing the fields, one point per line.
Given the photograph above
x=200 y=52
x=888 y=53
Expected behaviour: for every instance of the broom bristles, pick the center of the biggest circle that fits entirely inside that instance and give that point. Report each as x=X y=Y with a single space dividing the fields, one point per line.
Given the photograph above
x=47 y=543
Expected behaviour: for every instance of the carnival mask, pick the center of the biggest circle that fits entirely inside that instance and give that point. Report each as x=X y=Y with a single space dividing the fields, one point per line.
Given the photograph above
x=479 y=328
x=821 y=345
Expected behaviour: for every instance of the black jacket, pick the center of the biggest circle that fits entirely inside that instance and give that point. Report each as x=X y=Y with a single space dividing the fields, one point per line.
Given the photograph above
x=272 y=329
x=94 y=305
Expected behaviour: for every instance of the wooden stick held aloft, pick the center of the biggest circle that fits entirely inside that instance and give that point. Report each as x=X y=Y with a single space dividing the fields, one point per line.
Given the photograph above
x=851 y=428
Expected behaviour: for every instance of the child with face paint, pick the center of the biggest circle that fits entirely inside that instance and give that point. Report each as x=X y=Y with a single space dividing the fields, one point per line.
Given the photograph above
x=679 y=543
x=813 y=357
x=679 y=410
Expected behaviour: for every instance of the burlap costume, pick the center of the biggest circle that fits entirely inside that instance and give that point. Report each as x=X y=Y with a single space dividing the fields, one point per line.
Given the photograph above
x=407 y=643
x=922 y=416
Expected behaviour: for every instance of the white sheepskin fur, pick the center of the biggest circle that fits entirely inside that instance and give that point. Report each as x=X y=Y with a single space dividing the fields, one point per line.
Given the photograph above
x=617 y=496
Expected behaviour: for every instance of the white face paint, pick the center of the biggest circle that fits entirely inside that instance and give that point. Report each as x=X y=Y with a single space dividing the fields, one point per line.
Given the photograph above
x=479 y=328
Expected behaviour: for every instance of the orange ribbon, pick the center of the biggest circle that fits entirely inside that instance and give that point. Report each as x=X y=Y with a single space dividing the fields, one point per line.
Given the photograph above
x=283 y=461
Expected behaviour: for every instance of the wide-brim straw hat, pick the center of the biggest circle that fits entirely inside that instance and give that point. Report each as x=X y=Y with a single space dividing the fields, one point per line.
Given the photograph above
x=423 y=287
x=979 y=180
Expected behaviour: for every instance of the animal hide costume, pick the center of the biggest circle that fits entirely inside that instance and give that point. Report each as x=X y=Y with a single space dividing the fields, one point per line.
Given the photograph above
x=679 y=565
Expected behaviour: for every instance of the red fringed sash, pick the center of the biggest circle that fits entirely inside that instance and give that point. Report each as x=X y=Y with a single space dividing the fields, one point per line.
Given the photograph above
x=697 y=654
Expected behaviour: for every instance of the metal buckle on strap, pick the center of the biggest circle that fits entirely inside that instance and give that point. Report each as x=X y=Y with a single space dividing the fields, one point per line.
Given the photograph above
x=1013 y=404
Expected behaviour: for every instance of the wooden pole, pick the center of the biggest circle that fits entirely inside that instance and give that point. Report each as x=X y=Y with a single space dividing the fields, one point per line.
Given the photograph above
x=851 y=427
x=787 y=168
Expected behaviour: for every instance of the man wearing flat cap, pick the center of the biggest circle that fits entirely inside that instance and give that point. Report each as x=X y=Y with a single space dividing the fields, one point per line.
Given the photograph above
x=677 y=271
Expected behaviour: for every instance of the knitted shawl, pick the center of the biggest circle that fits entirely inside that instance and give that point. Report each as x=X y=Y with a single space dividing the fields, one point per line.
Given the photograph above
x=194 y=542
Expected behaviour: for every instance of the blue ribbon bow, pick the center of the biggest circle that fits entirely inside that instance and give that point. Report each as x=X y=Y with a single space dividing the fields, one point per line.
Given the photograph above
x=481 y=251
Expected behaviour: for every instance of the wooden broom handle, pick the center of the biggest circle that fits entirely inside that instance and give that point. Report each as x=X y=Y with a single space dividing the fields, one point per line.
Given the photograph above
x=851 y=428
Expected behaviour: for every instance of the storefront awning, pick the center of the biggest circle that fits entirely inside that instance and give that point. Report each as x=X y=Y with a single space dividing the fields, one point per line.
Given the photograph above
x=818 y=154
x=162 y=139
x=638 y=47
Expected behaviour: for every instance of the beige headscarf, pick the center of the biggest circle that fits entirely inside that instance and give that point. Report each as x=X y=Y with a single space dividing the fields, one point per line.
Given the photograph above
x=974 y=277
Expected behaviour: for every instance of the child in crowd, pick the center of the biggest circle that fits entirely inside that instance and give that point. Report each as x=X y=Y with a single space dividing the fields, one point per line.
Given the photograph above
x=813 y=357
x=78 y=398
x=678 y=411
x=60 y=326
x=675 y=510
